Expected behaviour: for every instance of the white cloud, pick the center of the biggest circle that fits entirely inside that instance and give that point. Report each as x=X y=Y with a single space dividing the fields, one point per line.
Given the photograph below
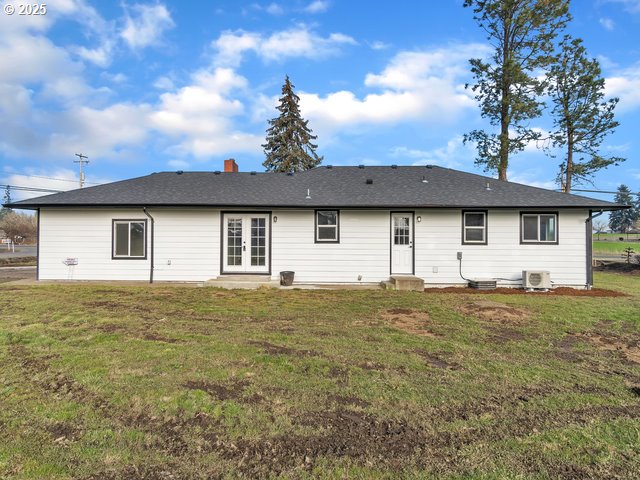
x=453 y=155
x=274 y=9
x=317 y=6
x=299 y=41
x=147 y=27
x=423 y=85
x=378 y=45
x=164 y=83
x=117 y=78
x=178 y=164
x=531 y=178
x=200 y=115
x=607 y=23
x=625 y=84
x=100 y=56
x=632 y=6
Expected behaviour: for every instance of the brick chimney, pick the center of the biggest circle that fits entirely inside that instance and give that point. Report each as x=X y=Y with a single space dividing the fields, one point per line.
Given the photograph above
x=230 y=165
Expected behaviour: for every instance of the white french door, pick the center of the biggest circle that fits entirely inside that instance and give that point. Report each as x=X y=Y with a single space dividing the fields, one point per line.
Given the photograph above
x=245 y=243
x=402 y=244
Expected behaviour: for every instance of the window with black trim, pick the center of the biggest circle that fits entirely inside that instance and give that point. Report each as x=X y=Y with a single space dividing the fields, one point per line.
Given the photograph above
x=474 y=228
x=327 y=226
x=129 y=239
x=539 y=227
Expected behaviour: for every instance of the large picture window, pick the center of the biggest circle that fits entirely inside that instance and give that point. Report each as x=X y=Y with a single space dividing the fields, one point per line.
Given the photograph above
x=129 y=239
x=539 y=227
x=474 y=227
x=327 y=226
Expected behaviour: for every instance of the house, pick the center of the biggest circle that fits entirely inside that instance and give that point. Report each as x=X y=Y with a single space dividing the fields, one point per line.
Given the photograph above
x=349 y=225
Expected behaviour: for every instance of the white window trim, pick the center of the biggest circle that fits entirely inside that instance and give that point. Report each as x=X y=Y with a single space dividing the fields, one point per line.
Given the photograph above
x=336 y=227
x=465 y=227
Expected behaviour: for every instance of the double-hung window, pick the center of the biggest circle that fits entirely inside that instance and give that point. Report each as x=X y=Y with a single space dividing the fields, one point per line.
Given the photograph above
x=539 y=227
x=327 y=226
x=474 y=227
x=129 y=239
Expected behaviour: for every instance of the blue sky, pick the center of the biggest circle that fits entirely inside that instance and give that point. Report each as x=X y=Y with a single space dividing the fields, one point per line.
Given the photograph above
x=148 y=87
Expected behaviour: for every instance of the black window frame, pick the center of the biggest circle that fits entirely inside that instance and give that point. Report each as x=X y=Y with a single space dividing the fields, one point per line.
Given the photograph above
x=486 y=228
x=538 y=242
x=116 y=221
x=315 y=226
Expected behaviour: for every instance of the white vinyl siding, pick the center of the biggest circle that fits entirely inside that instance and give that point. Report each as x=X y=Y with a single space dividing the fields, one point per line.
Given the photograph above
x=187 y=246
x=363 y=249
x=437 y=239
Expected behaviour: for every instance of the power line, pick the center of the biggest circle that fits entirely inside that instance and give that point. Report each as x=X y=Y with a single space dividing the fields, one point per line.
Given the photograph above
x=29 y=189
x=53 y=178
x=601 y=191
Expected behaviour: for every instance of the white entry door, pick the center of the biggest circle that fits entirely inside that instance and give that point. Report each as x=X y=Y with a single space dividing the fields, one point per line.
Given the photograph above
x=402 y=244
x=245 y=245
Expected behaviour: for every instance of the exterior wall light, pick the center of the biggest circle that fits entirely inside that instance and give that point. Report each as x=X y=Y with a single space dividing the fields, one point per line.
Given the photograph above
x=419 y=218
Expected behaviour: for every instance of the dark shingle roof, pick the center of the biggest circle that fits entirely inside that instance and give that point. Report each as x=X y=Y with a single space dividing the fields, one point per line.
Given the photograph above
x=356 y=187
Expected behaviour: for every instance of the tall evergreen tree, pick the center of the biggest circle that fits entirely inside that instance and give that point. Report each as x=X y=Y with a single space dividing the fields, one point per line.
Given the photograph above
x=289 y=147
x=622 y=220
x=581 y=118
x=521 y=33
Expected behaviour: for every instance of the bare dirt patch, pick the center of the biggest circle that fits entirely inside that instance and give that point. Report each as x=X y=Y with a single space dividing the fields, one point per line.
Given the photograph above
x=438 y=360
x=231 y=391
x=12 y=275
x=348 y=401
x=154 y=337
x=273 y=349
x=494 y=312
x=619 y=267
x=63 y=432
x=415 y=322
x=627 y=346
x=559 y=291
x=501 y=335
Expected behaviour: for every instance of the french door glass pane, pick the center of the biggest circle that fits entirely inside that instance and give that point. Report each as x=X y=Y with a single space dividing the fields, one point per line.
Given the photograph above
x=258 y=242
x=401 y=230
x=234 y=241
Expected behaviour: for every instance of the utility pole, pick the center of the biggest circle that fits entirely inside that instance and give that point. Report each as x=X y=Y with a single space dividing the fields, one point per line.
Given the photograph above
x=81 y=161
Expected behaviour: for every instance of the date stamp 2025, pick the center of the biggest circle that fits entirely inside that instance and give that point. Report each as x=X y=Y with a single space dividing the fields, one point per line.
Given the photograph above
x=25 y=9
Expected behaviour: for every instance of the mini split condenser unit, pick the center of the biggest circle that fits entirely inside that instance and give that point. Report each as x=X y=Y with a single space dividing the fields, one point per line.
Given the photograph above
x=536 y=279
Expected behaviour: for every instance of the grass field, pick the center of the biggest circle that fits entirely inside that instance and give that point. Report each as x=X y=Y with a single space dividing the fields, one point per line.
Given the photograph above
x=143 y=382
x=615 y=236
x=615 y=247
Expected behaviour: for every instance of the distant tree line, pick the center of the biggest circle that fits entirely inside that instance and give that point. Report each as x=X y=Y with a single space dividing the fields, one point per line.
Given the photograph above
x=19 y=227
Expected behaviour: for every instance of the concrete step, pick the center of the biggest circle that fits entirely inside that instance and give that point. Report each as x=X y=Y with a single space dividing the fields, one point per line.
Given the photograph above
x=242 y=281
x=407 y=282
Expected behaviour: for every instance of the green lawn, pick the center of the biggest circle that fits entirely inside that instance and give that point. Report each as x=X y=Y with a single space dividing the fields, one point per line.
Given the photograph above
x=139 y=382
x=615 y=247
